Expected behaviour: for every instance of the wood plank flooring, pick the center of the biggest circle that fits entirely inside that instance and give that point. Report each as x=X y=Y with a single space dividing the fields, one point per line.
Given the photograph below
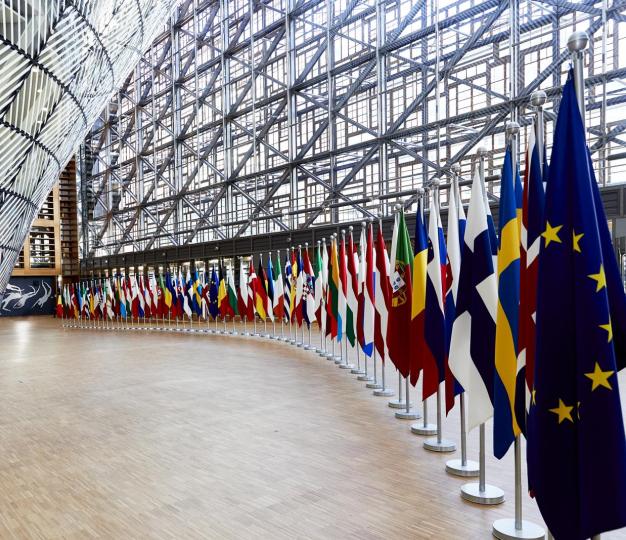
x=123 y=435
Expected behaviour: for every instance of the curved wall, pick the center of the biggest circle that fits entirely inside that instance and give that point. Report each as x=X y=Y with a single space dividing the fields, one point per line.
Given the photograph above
x=60 y=61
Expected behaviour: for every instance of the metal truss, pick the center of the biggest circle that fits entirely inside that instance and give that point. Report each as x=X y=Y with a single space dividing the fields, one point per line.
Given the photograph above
x=258 y=117
x=59 y=63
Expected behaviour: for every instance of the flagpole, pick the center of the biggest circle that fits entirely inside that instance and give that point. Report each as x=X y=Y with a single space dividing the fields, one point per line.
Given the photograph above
x=384 y=391
x=577 y=43
x=480 y=492
x=374 y=384
x=424 y=427
x=510 y=529
x=407 y=413
x=439 y=444
x=461 y=467
x=398 y=403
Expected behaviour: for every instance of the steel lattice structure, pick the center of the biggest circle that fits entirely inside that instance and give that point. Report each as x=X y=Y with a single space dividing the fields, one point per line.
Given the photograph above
x=60 y=61
x=251 y=117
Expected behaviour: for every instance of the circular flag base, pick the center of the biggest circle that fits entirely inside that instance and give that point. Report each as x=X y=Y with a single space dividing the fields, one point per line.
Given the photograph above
x=318 y=350
x=421 y=429
x=357 y=371
x=491 y=494
x=433 y=445
x=337 y=359
x=273 y=337
x=364 y=378
x=456 y=468
x=411 y=415
x=373 y=385
x=299 y=344
x=346 y=366
x=234 y=333
x=307 y=347
x=505 y=530
x=397 y=404
x=387 y=392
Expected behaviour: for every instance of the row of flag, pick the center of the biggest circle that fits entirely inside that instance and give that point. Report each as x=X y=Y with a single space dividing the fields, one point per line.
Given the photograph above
x=521 y=319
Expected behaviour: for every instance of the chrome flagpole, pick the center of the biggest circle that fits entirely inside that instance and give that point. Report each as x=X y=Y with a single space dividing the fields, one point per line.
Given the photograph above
x=424 y=427
x=398 y=403
x=407 y=413
x=383 y=391
x=462 y=467
x=365 y=377
x=517 y=527
x=439 y=444
x=357 y=370
x=480 y=492
x=374 y=385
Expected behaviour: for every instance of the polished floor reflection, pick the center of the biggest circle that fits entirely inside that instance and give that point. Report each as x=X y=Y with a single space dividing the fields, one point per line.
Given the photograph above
x=145 y=435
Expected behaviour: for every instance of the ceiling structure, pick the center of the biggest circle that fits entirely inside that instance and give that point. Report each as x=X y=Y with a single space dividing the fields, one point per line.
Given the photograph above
x=259 y=117
x=60 y=61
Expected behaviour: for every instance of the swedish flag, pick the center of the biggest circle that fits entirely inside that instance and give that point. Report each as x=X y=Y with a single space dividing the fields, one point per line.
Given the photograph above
x=576 y=442
x=505 y=427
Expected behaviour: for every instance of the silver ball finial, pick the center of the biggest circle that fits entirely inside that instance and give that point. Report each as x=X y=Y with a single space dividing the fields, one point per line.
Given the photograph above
x=512 y=128
x=343 y=231
x=363 y=223
x=306 y=245
x=299 y=246
x=397 y=207
x=538 y=98
x=435 y=183
x=420 y=191
x=455 y=168
x=481 y=151
x=350 y=228
x=577 y=41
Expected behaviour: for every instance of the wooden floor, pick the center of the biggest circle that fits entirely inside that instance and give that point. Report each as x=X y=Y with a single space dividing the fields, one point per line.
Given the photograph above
x=135 y=435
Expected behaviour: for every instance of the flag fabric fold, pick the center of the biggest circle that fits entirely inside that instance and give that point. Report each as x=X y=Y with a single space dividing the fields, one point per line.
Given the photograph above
x=472 y=344
x=401 y=293
x=505 y=427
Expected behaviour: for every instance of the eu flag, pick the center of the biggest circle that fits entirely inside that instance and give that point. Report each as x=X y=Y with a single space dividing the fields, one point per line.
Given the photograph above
x=213 y=289
x=576 y=444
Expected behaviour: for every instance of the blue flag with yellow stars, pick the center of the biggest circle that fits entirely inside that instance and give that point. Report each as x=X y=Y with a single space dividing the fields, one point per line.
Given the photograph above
x=576 y=442
x=213 y=290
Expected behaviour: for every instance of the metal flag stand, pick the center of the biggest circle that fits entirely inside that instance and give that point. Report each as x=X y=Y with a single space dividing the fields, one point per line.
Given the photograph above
x=374 y=385
x=399 y=403
x=383 y=391
x=357 y=370
x=439 y=444
x=463 y=467
x=423 y=427
x=480 y=492
x=307 y=346
x=365 y=377
x=408 y=413
x=319 y=350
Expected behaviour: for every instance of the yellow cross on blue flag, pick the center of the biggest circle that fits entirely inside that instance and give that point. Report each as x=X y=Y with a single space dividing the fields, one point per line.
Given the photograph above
x=576 y=442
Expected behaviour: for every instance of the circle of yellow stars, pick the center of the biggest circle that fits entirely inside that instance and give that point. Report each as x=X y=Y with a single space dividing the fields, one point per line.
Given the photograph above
x=599 y=378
